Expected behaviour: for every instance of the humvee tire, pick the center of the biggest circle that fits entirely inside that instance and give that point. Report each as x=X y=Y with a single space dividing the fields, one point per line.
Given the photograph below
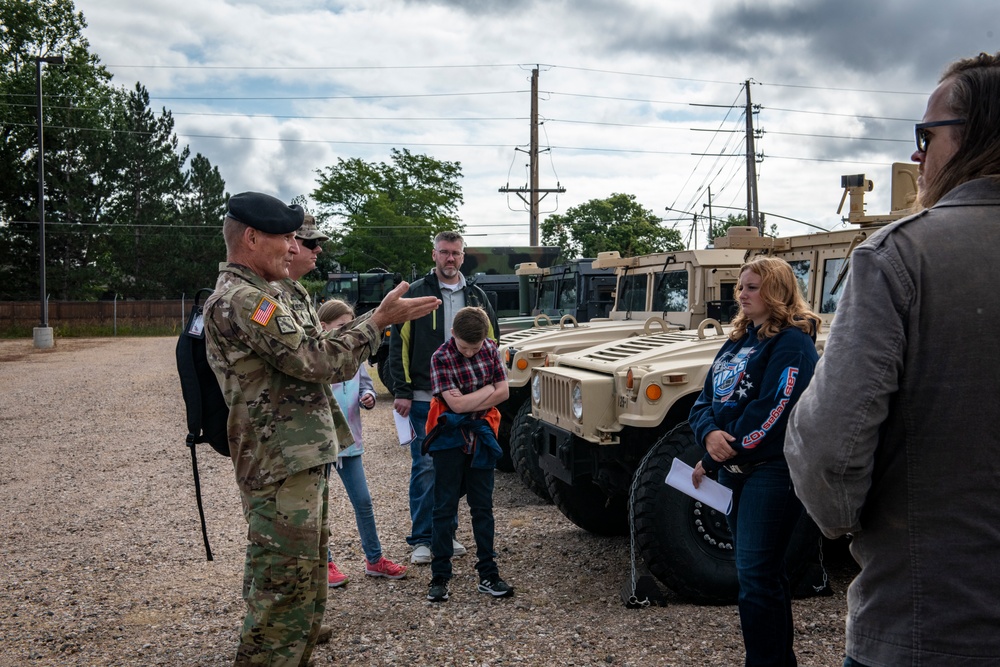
x=686 y=544
x=505 y=463
x=588 y=507
x=524 y=454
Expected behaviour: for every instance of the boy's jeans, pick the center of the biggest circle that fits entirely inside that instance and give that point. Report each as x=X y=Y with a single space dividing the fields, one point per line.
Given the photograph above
x=453 y=476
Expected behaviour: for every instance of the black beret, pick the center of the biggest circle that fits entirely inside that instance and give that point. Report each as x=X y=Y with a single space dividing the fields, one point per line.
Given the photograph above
x=264 y=212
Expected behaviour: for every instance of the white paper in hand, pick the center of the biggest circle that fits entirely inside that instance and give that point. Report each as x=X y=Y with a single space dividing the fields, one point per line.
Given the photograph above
x=403 y=428
x=710 y=492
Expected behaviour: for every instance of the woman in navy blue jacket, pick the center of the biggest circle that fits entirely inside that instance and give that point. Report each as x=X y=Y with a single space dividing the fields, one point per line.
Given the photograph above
x=740 y=419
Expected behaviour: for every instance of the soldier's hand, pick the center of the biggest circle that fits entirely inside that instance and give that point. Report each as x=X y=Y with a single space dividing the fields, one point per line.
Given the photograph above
x=394 y=309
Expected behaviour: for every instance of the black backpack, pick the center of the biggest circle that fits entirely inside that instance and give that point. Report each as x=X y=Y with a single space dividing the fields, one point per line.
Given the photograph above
x=207 y=412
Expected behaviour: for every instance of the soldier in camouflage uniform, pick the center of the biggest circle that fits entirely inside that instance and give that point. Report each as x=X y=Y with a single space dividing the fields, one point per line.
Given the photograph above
x=275 y=376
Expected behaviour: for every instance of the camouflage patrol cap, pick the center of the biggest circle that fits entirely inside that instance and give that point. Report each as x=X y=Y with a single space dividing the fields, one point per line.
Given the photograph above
x=264 y=212
x=309 y=230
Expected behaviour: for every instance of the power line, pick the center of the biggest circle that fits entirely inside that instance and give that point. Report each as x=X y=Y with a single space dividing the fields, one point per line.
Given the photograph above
x=348 y=68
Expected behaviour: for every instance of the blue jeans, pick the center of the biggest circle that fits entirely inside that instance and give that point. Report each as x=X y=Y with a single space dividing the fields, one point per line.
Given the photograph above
x=352 y=474
x=454 y=477
x=765 y=511
x=421 y=479
x=851 y=662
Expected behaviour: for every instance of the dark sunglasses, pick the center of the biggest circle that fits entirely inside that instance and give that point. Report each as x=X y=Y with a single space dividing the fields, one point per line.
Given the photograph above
x=924 y=137
x=308 y=244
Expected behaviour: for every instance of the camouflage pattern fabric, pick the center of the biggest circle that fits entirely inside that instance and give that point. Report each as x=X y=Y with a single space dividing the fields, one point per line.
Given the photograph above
x=296 y=299
x=275 y=375
x=284 y=577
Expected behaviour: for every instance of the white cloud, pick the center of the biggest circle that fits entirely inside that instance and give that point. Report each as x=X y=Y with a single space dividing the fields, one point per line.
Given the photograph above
x=623 y=79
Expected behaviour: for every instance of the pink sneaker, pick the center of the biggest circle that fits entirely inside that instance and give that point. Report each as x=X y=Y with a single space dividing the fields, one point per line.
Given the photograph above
x=384 y=567
x=335 y=577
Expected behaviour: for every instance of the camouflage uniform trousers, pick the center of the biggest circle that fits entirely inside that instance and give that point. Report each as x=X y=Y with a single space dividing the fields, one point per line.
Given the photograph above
x=285 y=576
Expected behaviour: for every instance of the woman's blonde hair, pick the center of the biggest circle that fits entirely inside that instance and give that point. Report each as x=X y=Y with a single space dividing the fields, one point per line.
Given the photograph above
x=334 y=309
x=779 y=290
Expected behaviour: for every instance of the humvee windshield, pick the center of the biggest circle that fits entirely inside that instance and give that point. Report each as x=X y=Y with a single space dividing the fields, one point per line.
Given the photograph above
x=671 y=292
x=632 y=292
x=567 y=294
x=800 y=267
x=831 y=269
x=547 y=296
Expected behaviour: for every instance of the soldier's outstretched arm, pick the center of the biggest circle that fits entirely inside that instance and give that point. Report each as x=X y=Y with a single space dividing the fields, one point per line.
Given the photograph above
x=394 y=309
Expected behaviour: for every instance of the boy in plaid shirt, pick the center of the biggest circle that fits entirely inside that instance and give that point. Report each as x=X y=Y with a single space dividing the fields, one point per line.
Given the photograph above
x=467 y=380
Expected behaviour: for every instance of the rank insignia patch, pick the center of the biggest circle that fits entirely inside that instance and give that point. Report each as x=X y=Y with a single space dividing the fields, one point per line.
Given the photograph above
x=265 y=309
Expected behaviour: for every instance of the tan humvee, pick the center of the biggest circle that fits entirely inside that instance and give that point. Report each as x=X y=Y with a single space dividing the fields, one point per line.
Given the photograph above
x=655 y=293
x=613 y=417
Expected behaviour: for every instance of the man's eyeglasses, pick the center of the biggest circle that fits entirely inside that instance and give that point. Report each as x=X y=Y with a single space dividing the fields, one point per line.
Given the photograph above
x=924 y=137
x=308 y=244
x=449 y=253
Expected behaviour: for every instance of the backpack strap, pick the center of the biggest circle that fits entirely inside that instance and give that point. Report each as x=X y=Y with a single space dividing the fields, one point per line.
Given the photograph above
x=207 y=412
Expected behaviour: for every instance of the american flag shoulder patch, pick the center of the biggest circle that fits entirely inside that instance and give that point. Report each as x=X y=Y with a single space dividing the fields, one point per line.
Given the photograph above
x=265 y=309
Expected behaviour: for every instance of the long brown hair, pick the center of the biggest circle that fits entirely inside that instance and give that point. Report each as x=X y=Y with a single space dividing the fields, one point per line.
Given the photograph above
x=330 y=310
x=779 y=290
x=974 y=96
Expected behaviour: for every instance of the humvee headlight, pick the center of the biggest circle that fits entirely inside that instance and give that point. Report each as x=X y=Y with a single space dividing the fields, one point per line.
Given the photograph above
x=654 y=392
x=522 y=364
x=536 y=389
x=577 y=402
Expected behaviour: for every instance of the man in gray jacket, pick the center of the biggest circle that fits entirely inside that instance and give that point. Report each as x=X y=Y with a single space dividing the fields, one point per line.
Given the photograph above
x=895 y=441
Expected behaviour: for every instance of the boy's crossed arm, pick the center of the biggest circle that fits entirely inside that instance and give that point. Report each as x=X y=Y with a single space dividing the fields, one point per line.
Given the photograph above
x=483 y=398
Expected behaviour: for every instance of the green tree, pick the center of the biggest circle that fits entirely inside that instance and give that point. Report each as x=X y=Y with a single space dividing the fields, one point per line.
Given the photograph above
x=197 y=246
x=76 y=105
x=616 y=223
x=388 y=213
x=145 y=204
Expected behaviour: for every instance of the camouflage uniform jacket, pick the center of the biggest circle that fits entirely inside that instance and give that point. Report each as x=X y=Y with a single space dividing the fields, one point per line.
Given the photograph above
x=296 y=299
x=274 y=375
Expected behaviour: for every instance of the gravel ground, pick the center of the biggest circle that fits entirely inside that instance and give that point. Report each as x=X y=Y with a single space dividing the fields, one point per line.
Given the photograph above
x=102 y=561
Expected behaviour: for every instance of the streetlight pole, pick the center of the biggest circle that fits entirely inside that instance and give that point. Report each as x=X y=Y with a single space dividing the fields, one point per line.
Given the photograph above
x=42 y=334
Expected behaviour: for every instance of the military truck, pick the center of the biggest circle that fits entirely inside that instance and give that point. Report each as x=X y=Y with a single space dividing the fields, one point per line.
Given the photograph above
x=365 y=292
x=655 y=293
x=612 y=417
x=493 y=269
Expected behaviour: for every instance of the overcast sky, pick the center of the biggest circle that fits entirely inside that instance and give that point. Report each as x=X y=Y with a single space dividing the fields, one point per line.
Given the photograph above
x=272 y=91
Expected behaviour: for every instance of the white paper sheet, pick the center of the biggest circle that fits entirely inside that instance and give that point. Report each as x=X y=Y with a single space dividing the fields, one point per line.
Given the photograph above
x=710 y=492
x=403 y=428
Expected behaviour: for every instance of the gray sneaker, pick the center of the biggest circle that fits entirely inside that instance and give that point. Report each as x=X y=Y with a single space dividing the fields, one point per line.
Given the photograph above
x=457 y=548
x=496 y=587
x=438 y=590
x=421 y=555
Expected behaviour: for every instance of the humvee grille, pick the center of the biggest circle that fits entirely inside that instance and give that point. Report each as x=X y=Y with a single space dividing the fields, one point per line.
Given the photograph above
x=555 y=395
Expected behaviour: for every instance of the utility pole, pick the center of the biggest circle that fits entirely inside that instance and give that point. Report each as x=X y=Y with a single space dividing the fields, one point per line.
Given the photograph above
x=533 y=190
x=711 y=220
x=753 y=210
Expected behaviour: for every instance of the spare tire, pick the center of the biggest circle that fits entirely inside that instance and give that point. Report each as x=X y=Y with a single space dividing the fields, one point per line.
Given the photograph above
x=686 y=544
